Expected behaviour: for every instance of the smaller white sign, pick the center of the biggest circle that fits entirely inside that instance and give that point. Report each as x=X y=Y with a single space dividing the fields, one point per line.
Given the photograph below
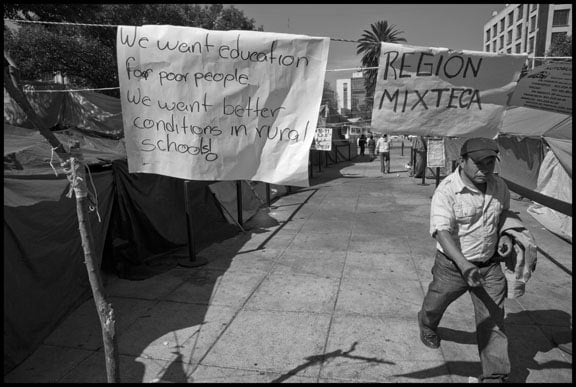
x=322 y=139
x=436 y=155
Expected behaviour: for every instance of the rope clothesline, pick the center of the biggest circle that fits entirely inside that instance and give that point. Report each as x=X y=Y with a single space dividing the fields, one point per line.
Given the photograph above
x=115 y=26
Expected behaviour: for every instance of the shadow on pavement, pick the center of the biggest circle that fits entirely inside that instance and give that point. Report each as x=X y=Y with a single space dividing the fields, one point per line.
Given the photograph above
x=320 y=359
x=524 y=345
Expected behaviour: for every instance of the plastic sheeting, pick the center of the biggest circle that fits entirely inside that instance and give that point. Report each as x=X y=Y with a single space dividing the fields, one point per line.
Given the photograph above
x=94 y=113
x=553 y=181
x=520 y=159
x=44 y=272
x=27 y=152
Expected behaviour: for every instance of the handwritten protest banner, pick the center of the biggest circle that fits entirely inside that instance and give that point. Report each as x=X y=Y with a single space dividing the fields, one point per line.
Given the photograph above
x=547 y=87
x=440 y=92
x=220 y=105
x=322 y=139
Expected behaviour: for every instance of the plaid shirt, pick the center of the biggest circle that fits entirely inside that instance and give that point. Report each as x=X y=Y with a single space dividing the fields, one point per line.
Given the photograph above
x=471 y=218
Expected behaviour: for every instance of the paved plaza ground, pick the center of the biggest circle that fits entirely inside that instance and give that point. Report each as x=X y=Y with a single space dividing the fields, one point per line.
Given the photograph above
x=323 y=287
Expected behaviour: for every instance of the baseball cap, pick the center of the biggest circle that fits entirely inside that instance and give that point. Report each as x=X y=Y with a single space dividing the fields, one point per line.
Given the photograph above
x=479 y=148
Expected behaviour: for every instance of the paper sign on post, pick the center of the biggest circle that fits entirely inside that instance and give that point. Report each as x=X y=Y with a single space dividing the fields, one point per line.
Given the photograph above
x=439 y=92
x=199 y=104
x=547 y=87
x=322 y=139
x=435 y=155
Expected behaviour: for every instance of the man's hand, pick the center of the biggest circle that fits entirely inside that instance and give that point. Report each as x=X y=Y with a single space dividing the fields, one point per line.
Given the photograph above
x=472 y=276
x=504 y=246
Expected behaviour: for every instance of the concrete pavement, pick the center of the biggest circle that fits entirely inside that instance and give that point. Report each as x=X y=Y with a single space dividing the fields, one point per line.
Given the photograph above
x=323 y=287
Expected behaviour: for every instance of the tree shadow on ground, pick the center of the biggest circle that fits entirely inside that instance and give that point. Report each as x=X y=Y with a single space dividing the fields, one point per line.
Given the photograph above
x=321 y=359
x=529 y=334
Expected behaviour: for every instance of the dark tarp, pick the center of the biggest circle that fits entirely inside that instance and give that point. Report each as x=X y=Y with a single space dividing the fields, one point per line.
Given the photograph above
x=151 y=213
x=44 y=273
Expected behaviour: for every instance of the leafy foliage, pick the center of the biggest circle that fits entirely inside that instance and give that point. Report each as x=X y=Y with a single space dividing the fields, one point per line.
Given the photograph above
x=369 y=47
x=87 y=54
x=561 y=46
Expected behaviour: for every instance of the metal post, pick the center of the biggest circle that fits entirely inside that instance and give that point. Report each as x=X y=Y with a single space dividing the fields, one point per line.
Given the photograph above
x=349 y=158
x=192 y=260
x=239 y=201
x=319 y=161
x=402 y=154
x=336 y=153
x=268 y=194
x=437 y=176
x=424 y=172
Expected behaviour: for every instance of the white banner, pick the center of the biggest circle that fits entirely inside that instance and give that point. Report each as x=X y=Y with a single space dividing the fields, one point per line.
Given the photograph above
x=440 y=92
x=322 y=139
x=547 y=87
x=220 y=105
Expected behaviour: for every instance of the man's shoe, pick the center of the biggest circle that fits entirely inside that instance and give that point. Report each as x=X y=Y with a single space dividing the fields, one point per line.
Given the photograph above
x=427 y=335
x=430 y=339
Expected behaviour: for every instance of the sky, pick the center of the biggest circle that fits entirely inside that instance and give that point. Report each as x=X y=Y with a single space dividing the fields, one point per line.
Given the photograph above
x=455 y=26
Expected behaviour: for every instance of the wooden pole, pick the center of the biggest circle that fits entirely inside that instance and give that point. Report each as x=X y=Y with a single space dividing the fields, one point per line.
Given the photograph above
x=72 y=162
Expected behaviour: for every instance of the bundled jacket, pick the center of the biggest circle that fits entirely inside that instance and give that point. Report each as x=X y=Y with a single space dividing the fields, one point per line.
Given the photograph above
x=519 y=265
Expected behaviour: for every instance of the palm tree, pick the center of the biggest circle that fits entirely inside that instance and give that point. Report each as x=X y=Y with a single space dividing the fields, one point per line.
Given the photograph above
x=369 y=47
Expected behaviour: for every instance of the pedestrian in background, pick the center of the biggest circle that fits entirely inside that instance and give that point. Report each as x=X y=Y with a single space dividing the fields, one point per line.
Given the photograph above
x=466 y=211
x=371 y=148
x=362 y=144
x=383 y=149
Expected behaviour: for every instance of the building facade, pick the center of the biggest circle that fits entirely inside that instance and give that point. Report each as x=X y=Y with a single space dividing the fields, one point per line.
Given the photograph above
x=358 y=93
x=527 y=28
x=344 y=96
x=351 y=95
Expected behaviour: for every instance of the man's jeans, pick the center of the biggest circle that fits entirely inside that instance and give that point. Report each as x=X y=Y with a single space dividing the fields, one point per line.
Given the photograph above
x=447 y=285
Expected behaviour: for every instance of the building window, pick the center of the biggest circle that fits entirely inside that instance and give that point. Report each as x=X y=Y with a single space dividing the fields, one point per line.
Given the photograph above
x=488 y=35
x=501 y=43
x=518 y=48
x=533 y=23
x=509 y=37
x=502 y=24
x=560 y=17
x=508 y=51
x=533 y=7
x=510 y=18
x=487 y=48
x=495 y=30
x=531 y=45
x=520 y=11
x=518 y=31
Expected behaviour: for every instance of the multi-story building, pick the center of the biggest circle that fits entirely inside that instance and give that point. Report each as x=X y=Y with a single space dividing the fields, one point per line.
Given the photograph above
x=351 y=95
x=527 y=28
x=358 y=93
x=344 y=96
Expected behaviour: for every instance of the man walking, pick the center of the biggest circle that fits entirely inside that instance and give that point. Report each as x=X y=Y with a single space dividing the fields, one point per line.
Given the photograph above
x=466 y=210
x=383 y=148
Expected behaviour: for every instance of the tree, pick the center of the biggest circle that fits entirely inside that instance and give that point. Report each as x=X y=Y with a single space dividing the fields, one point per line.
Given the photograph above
x=369 y=47
x=561 y=46
x=87 y=55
